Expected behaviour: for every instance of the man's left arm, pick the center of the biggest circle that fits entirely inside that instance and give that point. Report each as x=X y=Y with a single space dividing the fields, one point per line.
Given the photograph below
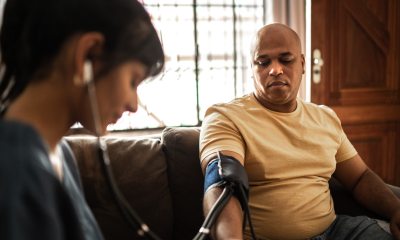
x=370 y=190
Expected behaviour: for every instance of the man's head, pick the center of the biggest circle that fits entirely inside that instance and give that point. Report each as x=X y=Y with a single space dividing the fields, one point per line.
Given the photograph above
x=277 y=66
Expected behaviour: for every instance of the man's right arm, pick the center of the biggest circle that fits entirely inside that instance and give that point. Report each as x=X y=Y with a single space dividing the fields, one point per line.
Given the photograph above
x=229 y=223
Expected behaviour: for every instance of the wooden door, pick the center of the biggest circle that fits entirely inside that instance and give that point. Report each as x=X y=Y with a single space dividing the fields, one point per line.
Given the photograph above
x=359 y=41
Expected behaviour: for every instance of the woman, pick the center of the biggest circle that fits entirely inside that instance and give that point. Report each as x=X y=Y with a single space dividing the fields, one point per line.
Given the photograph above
x=63 y=61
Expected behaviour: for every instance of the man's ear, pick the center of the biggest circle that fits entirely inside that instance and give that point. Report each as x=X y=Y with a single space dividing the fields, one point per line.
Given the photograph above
x=303 y=61
x=88 y=47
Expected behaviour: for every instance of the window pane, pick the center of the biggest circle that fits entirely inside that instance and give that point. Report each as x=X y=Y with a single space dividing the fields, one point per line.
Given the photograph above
x=181 y=95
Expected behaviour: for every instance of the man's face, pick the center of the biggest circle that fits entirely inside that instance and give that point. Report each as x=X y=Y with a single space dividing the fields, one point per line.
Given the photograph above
x=277 y=68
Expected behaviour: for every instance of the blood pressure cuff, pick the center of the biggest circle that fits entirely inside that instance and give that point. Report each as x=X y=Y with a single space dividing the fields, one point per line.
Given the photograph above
x=226 y=170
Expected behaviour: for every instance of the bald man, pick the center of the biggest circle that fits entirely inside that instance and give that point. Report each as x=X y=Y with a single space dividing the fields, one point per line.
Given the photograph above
x=290 y=149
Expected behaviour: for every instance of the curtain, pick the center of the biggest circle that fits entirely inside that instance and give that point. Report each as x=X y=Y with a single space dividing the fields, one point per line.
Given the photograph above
x=291 y=13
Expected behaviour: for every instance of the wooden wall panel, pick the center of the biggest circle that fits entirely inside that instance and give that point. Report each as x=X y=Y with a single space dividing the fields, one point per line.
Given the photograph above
x=361 y=47
x=378 y=145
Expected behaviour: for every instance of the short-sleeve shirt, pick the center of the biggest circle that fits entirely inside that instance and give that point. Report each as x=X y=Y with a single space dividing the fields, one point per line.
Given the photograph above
x=34 y=204
x=289 y=159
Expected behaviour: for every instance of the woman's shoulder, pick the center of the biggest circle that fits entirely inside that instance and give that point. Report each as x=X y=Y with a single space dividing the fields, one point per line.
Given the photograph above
x=13 y=133
x=29 y=189
x=23 y=161
x=20 y=143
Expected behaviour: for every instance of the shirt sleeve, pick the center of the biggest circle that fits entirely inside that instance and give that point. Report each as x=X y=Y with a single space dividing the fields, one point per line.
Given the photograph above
x=346 y=149
x=219 y=133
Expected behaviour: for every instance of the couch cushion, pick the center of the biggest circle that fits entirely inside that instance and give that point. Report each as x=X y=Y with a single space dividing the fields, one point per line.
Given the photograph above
x=181 y=146
x=140 y=171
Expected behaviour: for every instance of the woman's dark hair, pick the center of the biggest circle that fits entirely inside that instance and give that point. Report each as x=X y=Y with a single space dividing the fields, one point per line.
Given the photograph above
x=33 y=32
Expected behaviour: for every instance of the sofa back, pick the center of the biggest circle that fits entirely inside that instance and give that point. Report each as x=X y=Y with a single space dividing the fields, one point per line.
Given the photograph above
x=153 y=175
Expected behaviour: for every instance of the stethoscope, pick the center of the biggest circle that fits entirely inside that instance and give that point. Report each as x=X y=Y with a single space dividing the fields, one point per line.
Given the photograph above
x=126 y=210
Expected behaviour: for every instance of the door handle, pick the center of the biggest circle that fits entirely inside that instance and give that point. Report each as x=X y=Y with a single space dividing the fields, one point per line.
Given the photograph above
x=317 y=65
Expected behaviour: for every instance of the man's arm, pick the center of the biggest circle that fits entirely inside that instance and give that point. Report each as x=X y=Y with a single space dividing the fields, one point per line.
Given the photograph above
x=370 y=190
x=229 y=222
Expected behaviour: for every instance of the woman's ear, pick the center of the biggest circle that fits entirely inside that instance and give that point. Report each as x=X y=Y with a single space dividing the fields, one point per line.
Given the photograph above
x=88 y=47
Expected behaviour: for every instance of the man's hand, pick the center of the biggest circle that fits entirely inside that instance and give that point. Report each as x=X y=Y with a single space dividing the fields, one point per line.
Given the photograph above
x=395 y=225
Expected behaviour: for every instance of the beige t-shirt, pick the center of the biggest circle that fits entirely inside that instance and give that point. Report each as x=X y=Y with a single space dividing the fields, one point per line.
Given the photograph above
x=289 y=158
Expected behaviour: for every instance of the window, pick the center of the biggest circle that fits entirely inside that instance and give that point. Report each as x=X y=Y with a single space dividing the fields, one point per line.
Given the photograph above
x=207 y=46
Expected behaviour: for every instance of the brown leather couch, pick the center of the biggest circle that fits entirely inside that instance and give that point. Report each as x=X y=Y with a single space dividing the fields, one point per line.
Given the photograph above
x=161 y=178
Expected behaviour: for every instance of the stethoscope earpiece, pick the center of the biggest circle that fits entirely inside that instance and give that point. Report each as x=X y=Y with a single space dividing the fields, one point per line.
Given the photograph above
x=87 y=72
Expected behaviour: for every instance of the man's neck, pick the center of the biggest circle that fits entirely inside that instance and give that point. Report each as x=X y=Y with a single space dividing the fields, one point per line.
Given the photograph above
x=288 y=107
